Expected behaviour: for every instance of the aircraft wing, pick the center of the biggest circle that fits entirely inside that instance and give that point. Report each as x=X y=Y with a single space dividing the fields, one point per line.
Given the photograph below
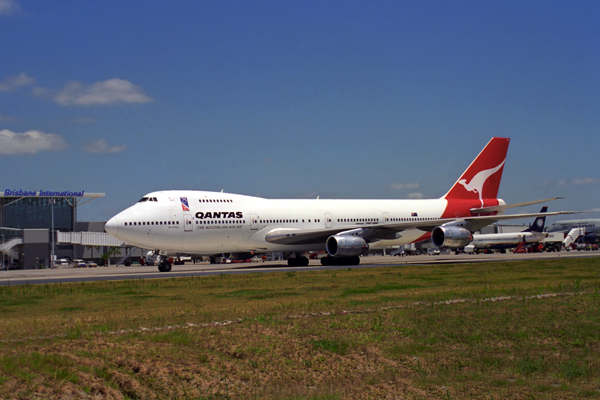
x=301 y=236
x=295 y=236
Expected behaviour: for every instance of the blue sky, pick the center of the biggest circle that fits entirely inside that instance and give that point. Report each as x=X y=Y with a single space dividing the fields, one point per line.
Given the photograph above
x=298 y=99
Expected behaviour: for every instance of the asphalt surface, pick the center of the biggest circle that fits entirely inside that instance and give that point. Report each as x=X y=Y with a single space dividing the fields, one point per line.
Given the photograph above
x=60 y=275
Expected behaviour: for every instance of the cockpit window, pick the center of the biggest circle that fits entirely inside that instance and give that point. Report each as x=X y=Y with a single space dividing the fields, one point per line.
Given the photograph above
x=143 y=199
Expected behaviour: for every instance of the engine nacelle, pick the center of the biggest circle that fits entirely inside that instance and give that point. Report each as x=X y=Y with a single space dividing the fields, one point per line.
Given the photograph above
x=346 y=246
x=453 y=237
x=591 y=238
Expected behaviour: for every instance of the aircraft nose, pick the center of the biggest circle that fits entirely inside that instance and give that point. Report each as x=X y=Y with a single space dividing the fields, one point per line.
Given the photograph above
x=112 y=226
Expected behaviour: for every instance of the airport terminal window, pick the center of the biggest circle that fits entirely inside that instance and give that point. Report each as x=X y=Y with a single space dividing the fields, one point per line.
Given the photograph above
x=36 y=213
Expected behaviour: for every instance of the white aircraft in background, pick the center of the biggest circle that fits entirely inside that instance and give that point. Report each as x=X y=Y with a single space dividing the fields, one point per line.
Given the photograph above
x=590 y=227
x=237 y=226
x=503 y=241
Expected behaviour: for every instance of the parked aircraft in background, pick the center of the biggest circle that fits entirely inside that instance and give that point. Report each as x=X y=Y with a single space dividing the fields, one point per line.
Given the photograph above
x=212 y=223
x=502 y=241
x=591 y=226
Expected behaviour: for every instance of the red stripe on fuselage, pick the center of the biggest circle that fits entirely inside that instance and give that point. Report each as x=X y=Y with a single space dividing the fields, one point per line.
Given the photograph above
x=462 y=208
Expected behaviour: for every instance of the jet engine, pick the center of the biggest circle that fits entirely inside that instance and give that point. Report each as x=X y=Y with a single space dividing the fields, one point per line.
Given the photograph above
x=452 y=237
x=591 y=238
x=346 y=246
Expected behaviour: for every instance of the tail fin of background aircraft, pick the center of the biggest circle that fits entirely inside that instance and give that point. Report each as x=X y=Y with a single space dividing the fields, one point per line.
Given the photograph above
x=482 y=179
x=538 y=224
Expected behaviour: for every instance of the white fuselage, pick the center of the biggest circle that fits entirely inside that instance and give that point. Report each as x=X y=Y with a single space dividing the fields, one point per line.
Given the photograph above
x=506 y=239
x=208 y=223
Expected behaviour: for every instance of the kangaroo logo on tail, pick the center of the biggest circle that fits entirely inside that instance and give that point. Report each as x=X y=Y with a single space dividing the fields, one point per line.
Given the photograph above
x=481 y=179
x=477 y=182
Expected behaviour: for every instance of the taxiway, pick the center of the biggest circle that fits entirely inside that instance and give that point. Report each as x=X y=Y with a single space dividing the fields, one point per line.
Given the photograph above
x=50 y=276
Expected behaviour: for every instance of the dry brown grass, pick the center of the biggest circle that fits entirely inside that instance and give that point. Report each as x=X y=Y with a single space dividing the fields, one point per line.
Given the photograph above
x=351 y=334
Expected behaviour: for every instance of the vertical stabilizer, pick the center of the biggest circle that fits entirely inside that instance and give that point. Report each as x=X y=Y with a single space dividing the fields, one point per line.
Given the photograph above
x=482 y=179
x=538 y=224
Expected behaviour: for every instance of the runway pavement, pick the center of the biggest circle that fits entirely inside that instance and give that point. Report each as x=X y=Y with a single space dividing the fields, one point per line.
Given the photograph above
x=48 y=276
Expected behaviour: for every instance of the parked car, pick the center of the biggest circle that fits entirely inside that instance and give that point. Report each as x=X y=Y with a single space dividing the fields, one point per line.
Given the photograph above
x=91 y=264
x=79 y=264
x=434 y=251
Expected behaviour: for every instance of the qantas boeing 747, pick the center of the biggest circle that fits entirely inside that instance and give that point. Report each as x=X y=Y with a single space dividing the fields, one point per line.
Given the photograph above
x=212 y=223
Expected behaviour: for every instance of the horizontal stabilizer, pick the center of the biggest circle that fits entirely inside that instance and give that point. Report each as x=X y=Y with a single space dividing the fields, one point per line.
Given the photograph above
x=486 y=210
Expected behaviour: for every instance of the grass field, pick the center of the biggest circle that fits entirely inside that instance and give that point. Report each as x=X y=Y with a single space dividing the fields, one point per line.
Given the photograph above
x=518 y=330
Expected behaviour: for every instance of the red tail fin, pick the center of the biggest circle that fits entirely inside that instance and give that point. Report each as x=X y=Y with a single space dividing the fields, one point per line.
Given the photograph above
x=482 y=179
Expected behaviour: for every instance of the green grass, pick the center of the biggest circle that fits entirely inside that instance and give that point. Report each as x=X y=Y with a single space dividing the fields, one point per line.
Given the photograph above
x=355 y=333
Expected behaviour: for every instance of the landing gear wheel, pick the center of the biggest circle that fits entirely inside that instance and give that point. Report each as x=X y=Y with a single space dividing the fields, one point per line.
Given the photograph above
x=327 y=261
x=164 y=266
x=298 y=261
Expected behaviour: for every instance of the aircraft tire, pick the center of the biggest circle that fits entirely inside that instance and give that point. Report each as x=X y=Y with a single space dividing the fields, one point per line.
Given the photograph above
x=298 y=262
x=327 y=261
x=164 y=266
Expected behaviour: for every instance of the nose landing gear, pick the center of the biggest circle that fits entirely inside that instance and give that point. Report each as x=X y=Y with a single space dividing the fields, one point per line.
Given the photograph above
x=164 y=265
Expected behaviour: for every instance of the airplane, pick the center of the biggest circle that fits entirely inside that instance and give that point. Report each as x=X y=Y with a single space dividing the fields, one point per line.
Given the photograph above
x=591 y=226
x=238 y=226
x=503 y=241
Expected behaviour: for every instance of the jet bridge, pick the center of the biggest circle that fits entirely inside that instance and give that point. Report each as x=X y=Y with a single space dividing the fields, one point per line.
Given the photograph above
x=88 y=239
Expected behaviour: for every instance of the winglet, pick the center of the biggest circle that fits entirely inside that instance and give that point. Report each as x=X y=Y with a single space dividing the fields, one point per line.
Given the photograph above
x=482 y=179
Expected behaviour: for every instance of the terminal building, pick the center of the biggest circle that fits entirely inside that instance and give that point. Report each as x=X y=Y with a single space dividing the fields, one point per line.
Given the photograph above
x=37 y=227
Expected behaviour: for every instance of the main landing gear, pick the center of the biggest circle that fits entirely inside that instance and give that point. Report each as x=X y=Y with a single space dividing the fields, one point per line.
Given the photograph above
x=298 y=261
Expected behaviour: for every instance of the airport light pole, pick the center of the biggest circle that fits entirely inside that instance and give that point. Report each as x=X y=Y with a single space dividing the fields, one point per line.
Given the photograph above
x=52 y=201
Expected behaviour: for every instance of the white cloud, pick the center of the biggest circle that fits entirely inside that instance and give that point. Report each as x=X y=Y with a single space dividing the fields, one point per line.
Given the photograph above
x=43 y=92
x=101 y=146
x=586 y=181
x=111 y=91
x=8 y=7
x=29 y=142
x=403 y=186
x=15 y=82
x=415 y=196
x=579 y=182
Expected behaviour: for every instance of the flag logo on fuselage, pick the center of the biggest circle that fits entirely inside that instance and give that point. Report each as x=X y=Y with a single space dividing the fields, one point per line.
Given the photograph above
x=185 y=206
